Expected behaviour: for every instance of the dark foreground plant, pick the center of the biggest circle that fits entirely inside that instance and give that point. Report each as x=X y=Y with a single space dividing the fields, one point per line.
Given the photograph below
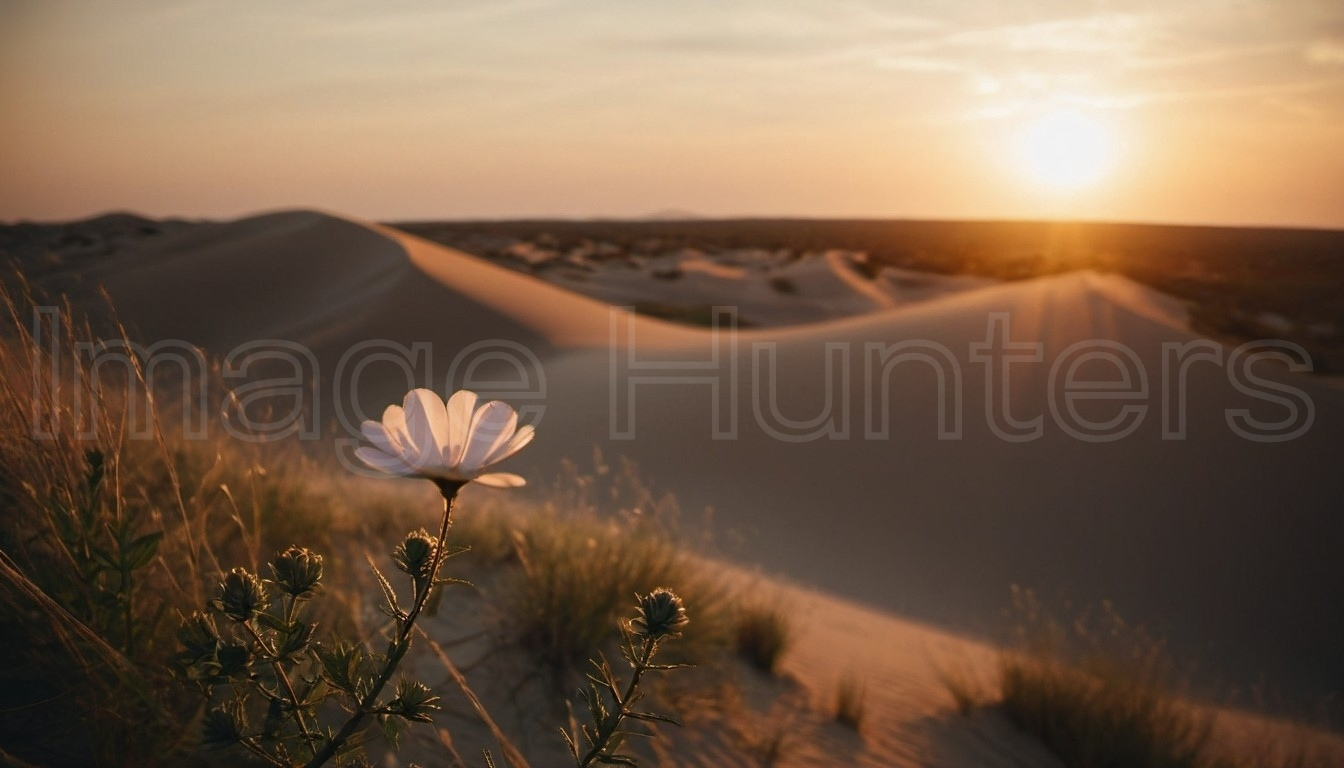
x=274 y=671
x=266 y=674
x=660 y=615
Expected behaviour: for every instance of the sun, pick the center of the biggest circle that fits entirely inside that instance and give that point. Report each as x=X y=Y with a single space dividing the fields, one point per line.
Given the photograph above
x=1066 y=150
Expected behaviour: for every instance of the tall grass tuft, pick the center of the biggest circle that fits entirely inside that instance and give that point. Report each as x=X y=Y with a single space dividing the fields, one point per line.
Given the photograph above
x=1103 y=694
x=97 y=550
x=603 y=538
x=762 y=635
x=115 y=527
x=1099 y=693
x=850 y=701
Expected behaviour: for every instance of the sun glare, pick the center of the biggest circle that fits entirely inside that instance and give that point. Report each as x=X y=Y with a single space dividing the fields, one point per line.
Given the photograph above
x=1066 y=150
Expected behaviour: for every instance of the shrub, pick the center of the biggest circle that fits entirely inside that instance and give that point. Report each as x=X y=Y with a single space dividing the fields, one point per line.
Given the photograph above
x=850 y=697
x=603 y=537
x=762 y=636
x=1099 y=693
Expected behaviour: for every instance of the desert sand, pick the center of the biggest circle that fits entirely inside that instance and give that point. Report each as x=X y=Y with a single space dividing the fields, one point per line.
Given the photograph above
x=1191 y=536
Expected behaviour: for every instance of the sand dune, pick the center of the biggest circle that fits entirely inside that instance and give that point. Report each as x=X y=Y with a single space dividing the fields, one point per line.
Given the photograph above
x=1194 y=535
x=323 y=281
x=770 y=288
x=1187 y=534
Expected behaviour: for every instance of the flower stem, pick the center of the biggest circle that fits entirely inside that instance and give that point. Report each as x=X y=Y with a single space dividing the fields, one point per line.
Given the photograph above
x=251 y=746
x=608 y=729
x=402 y=643
x=289 y=687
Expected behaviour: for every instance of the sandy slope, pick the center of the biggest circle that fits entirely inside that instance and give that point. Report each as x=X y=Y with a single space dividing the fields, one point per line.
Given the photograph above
x=818 y=287
x=1230 y=547
x=318 y=279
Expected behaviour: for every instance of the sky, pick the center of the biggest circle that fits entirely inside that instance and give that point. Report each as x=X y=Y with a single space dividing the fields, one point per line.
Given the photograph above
x=1192 y=111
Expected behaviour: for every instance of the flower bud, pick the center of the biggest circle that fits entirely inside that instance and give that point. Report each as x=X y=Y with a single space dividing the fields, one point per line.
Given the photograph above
x=415 y=701
x=222 y=727
x=241 y=595
x=200 y=642
x=297 y=571
x=234 y=659
x=661 y=614
x=415 y=553
x=198 y=635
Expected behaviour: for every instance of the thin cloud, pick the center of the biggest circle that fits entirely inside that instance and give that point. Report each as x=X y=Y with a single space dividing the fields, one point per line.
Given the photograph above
x=1213 y=56
x=1327 y=52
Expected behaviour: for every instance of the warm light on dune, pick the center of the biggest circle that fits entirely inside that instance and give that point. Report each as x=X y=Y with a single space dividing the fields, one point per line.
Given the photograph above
x=1066 y=149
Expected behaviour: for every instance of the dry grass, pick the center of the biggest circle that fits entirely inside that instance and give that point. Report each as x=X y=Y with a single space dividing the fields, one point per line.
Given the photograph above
x=762 y=635
x=850 y=697
x=602 y=537
x=115 y=527
x=87 y=673
x=1102 y=694
x=962 y=682
x=102 y=545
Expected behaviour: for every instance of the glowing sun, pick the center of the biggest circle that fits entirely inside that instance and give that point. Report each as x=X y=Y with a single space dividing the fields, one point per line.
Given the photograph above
x=1066 y=150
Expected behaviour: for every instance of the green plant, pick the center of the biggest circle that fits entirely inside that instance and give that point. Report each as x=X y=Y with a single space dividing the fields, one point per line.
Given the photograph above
x=660 y=615
x=96 y=552
x=267 y=675
x=105 y=545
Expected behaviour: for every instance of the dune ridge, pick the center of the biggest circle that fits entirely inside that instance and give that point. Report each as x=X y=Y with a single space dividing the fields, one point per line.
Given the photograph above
x=1180 y=533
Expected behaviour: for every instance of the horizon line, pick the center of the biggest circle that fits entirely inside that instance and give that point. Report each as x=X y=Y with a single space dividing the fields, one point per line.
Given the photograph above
x=688 y=217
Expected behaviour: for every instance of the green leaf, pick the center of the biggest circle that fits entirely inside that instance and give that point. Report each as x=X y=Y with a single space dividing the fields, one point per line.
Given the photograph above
x=339 y=665
x=391 y=728
x=569 y=742
x=388 y=593
x=94 y=477
x=103 y=560
x=296 y=640
x=138 y=554
x=273 y=623
x=319 y=690
x=414 y=701
x=653 y=716
x=275 y=717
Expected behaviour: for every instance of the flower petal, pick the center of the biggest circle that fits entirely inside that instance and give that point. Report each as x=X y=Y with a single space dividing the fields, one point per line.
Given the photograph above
x=394 y=420
x=491 y=427
x=427 y=424
x=460 y=408
x=377 y=434
x=515 y=444
x=502 y=480
x=380 y=461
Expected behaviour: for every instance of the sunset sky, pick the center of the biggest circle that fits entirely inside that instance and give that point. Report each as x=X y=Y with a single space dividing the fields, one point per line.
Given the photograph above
x=1209 y=112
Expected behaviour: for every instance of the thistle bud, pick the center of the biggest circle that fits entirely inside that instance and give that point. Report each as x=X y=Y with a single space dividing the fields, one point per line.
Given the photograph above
x=198 y=635
x=413 y=555
x=200 y=642
x=222 y=727
x=414 y=701
x=297 y=571
x=241 y=595
x=234 y=659
x=661 y=614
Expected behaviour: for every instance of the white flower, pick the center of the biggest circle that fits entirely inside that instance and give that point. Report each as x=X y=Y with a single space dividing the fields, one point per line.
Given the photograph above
x=457 y=442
